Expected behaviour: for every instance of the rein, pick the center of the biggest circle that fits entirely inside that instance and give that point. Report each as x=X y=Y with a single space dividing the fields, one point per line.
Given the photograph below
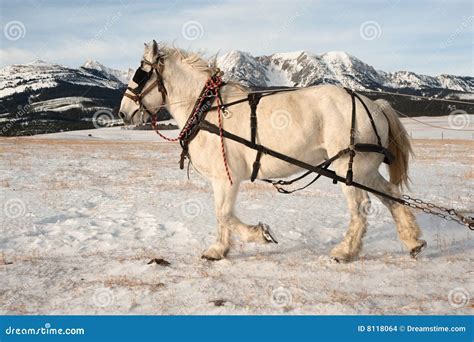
x=203 y=104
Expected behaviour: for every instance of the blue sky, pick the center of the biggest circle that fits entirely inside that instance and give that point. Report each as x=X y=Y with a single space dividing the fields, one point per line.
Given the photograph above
x=430 y=37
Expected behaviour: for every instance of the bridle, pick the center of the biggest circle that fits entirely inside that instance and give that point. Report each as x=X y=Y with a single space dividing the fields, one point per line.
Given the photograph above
x=141 y=77
x=203 y=104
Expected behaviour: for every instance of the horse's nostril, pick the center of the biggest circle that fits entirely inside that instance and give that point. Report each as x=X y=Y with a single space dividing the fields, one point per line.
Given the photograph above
x=123 y=116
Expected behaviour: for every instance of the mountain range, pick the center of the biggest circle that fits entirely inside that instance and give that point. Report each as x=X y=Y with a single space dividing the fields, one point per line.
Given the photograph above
x=302 y=69
x=41 y=97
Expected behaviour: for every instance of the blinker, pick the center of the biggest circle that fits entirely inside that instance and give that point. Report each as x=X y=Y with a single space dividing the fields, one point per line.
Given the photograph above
x=140 y=78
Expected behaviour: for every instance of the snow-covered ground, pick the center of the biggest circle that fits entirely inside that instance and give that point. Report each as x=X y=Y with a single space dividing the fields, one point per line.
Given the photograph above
x=84 y=212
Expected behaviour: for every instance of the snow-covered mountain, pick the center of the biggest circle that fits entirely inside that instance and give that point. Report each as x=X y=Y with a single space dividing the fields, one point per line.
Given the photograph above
x=303 y=68
x=123 y=76
x=33 y=77
x=41 y=97
x=53 y=97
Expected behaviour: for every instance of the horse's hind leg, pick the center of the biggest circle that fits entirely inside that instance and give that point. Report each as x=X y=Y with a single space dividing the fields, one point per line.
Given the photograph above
x=357 y=201
x=408 y=230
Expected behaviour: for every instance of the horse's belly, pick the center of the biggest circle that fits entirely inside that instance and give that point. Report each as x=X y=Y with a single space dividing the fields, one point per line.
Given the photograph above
x=272 y=167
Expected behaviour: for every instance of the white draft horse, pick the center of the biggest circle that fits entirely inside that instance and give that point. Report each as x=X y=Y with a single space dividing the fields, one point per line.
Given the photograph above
x=311 y=125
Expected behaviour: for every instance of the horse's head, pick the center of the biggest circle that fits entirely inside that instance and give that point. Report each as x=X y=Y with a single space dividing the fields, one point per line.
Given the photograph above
x=145 y=93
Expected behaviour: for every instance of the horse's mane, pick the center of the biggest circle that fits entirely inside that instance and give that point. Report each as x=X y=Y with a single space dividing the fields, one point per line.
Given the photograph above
x=197 y=61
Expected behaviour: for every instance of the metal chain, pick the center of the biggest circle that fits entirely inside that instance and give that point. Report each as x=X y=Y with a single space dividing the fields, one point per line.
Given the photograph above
x=442 y=212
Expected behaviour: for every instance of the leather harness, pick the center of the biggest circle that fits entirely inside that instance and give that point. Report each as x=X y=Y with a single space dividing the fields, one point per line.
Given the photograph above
x=203 y=105
x=211 y=92
x=141 y=77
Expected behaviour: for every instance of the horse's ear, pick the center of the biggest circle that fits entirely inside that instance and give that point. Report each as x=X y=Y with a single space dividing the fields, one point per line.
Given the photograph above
x=154 y=48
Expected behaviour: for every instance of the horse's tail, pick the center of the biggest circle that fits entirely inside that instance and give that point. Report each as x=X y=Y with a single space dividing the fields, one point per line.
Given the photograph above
x=398 y=144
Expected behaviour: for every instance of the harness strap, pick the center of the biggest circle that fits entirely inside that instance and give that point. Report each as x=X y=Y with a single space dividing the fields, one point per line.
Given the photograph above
x=140 y=79
x=256 y=166
x=372 y=122
x=363 y=147
x=211 y=128
x=277 y=184
x=254 y=99
x=389 y=157
x=233 y=103
x=349 y=175
x=184 y=153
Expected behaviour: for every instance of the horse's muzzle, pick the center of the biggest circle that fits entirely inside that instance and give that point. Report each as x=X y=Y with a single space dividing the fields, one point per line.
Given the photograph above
x=123 y=116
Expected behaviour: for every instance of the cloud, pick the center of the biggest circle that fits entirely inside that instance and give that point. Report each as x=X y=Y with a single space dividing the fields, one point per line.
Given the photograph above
x=16 y=56
x=113 y=31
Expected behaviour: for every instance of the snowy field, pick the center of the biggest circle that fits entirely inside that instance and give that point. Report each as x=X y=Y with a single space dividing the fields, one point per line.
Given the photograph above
x=83 y=214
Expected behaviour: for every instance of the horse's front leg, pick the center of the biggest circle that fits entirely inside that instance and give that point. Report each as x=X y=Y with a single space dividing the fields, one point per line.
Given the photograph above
x=224 y=197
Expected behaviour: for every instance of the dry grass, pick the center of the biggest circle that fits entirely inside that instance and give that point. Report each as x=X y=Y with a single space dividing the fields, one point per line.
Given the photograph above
x=127 y=282
x=459 y=151
x=468 y=175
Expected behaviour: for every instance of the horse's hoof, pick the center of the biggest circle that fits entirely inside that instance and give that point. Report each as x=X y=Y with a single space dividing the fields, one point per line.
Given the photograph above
x=339 y=255
x=340 y=259
x=267 y=233
x=210 y=258
x=418 y=249
x=215 y=252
